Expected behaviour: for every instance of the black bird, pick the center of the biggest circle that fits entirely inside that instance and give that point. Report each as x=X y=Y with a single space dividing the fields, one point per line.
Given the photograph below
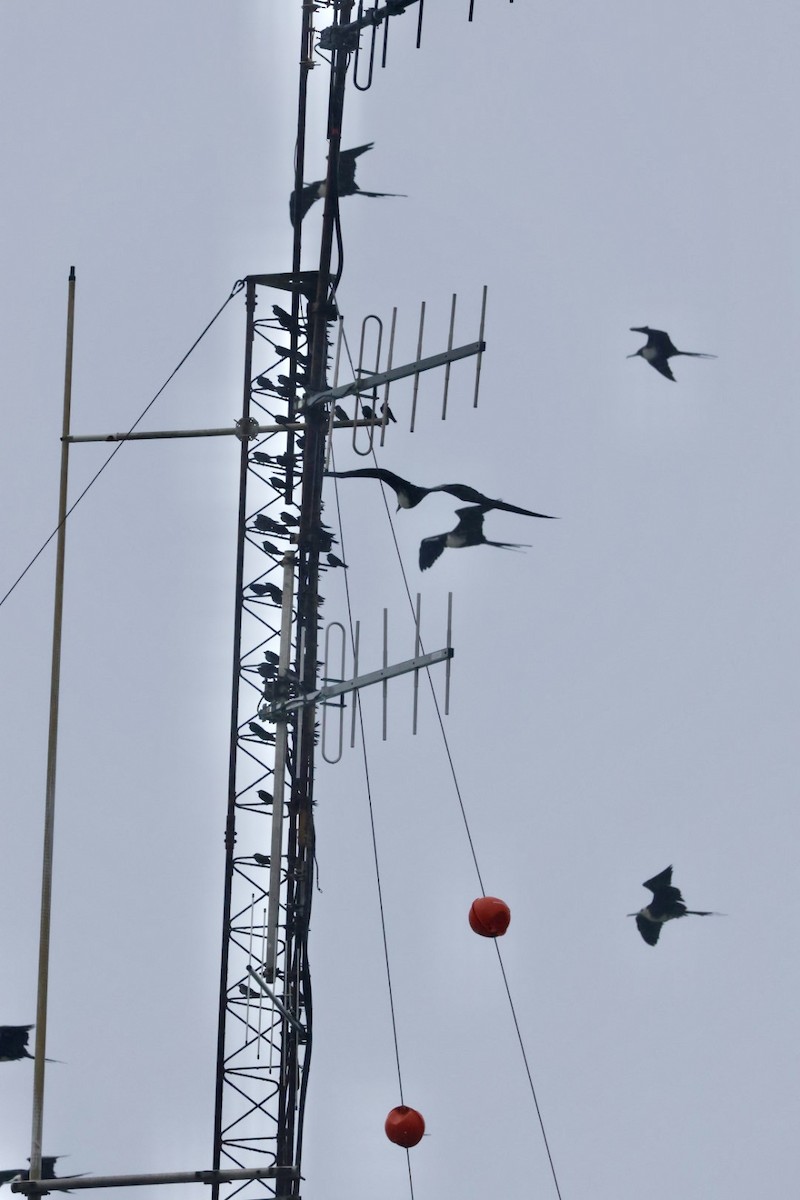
x=368 y=412
x=14 y=1041
x=667 y=904
x=261 y=859
x=347 y=184
x=468 y=532
x=409 y=495
x=285 y=319
x=387 y=412
x=265 y=524
x=335 y=561
x=285 y=352
x=658 y=348
x=48 y=1171
x=340 y=414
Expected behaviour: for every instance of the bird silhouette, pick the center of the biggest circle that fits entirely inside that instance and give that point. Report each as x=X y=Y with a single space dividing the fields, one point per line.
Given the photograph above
x=658 y=348
x=667 y=905
x=14 y=1041
x=284 y=319
x=263 y=860
x=48 y=1171
x=468 y=532
x=409 y=495
x=335 y=561
x=340 y=414
x=347 y=186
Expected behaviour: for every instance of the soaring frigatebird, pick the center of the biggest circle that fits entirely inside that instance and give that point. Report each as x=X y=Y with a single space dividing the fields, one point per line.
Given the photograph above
x=48 y=1171
x=409 y=495
x=658 y=348
x=347 y=184
x=667 y=904
x=468 y=532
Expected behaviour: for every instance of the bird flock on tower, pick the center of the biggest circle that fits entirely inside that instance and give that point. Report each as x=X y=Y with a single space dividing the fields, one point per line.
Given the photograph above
x=667 y=903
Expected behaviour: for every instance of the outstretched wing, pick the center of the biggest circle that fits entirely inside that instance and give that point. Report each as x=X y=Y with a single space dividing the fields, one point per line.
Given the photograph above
x=648 y=929
x=659 y=881
x=662 y=366
x=462 y=491
x=347 y=168
x=388 y=477
x=308 y=194
x=430 y=549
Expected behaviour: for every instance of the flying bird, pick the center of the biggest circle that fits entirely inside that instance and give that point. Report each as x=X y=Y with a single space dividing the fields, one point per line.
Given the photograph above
x=468 y=532
x=409 y=495
x=658 y=348
x=346 y=180
x=48 y=1171
x=667 y=904
x=14 y=1041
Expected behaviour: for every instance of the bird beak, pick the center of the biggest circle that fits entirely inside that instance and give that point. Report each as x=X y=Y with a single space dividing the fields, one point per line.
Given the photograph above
x=632 y=355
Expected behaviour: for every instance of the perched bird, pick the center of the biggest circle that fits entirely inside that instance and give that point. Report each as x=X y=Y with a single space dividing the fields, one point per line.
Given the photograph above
x=285 y=319
x=658 y=348
x=340 y=414
x=387 y=413
x=262 y=859
x=265 y=524
x=368 y=412
x=347 y=185
x=249 y=992
x=335 y=561
x=285 y=352
x=468 y=532
x=409 y=495
x=667 y=904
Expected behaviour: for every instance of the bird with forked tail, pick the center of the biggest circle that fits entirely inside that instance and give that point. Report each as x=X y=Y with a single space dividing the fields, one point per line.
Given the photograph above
x=468 y=532
x=346 y=180
x=659 y=348
x=409 y=495
x=667 y=905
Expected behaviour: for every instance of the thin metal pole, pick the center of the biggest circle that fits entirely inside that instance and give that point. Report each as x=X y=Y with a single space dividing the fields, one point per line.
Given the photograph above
x=52 y=748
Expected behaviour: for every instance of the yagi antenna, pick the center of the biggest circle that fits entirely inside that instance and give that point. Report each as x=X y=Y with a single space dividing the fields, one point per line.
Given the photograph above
x=335 y=686
x=365 y=386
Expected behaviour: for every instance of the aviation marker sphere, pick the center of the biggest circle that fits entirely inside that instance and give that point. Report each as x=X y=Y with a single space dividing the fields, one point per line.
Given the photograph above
x=489 y=916
x=404 y=1126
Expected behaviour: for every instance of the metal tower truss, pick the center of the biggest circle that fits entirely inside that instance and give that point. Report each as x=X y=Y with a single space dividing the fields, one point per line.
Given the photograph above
x=264 y=1031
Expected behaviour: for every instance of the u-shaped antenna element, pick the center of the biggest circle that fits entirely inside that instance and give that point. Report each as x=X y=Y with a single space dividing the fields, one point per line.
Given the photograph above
x=364 y=87
x=356 y=701
x=385 y=406
x=327 y=677
x=373 y=394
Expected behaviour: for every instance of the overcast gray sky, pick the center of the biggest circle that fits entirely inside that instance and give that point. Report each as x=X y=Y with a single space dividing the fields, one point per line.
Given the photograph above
x=624 y=692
